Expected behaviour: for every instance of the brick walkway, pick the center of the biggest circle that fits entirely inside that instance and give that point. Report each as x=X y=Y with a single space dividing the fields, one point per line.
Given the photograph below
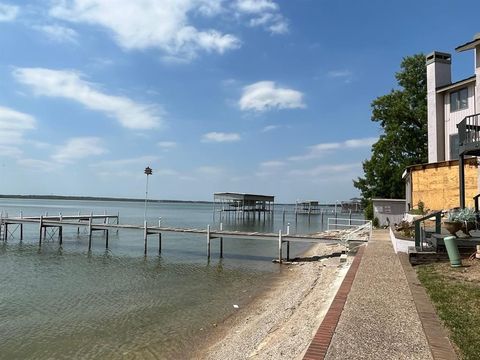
x=374 y=315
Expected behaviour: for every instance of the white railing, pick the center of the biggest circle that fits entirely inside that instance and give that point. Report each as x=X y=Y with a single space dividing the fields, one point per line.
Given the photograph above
x=356 y=229
x=344 y=223
x=362 y=229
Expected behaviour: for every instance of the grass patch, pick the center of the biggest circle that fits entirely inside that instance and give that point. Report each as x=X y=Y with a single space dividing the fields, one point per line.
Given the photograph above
x=457 y=303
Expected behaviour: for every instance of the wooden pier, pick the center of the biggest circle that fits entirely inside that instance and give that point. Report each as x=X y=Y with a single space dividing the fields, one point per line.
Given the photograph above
x=90 y=224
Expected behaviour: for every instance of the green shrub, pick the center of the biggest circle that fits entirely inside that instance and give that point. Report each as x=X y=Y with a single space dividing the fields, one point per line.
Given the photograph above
x=368 y=210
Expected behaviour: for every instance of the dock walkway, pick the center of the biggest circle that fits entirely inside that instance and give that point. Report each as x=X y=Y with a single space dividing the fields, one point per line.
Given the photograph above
x=352 y=233
x=375 y=315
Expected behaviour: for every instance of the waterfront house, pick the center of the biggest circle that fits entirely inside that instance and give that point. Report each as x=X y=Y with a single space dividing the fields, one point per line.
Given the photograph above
x=450 y=178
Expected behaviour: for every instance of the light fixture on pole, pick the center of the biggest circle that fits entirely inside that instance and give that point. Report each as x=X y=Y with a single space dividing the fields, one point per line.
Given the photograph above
x=147 y=171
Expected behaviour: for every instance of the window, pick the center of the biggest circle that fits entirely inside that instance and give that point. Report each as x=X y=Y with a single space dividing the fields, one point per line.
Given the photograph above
x=459 y=100
x=454 y=147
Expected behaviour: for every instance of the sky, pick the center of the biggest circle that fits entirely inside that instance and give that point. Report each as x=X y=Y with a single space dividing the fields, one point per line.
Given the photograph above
x=254 y=96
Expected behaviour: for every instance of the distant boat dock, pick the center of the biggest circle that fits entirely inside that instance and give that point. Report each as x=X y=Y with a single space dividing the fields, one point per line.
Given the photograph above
x=353 y=230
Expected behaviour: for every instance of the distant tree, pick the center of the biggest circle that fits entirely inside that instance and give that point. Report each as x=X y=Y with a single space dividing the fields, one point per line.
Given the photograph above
x=402 y=114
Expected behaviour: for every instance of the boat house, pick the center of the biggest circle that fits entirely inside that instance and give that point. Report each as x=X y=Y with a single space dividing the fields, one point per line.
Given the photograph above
x=240 y=205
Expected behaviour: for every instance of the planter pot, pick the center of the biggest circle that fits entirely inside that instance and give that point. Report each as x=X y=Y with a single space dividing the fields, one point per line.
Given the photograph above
x=467 y=227
x=453 y=226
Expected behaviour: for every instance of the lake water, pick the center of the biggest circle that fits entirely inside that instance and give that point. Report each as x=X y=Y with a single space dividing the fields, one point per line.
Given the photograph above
x=63 y=302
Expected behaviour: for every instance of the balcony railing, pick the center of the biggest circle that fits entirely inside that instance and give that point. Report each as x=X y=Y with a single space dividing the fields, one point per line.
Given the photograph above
x=469 y=132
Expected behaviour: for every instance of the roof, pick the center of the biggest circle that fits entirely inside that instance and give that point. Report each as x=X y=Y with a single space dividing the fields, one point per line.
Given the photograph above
x=469 y=161
x=242 y=196
x=307 y=202
x=456 y=84
x=469 y=45
x=389 y=200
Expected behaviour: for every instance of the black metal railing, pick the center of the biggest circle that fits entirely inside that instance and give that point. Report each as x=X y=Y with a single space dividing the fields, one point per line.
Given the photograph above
x=468 y=131
x=418 y=232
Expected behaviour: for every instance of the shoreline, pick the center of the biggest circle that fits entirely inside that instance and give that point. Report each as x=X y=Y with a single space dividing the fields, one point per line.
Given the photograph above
x=281 y=322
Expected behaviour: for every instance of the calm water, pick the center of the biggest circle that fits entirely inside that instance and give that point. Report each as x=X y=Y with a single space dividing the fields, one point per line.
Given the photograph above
x=61 y=302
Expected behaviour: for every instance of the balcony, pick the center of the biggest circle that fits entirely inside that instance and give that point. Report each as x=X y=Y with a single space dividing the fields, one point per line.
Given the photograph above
x=469 y=135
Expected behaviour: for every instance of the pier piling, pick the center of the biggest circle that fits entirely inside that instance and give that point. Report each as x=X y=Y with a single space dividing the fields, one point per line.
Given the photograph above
x=145 y=236
x=159 y=236
x=280 y=241
x=208 y=242
x=90 y=233
x=40 y=230
x=221 y=241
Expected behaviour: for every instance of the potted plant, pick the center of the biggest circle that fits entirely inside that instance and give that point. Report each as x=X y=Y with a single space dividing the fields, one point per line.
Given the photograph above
x=461 y=219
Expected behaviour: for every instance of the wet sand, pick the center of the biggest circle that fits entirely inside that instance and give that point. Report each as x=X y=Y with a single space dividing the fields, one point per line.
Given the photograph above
x=280 y=323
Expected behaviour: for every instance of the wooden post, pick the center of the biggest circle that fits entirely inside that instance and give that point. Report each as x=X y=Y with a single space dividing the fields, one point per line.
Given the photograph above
x=118 y=219
x=461 y=177
x=5 y=236
x=106 y=239
x=21 y=232
x=159 y=236
x=280 y=241
x=145 y=236
x=159 y=243
x=208 y=242
x=288 y=250
x=60 y=229
x=221 y=241
x=105 y=221
x=40 y=230
x=90 y=233
x=78 y=228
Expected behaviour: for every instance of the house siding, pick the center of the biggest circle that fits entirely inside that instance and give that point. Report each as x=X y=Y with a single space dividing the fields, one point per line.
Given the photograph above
x=453 y=118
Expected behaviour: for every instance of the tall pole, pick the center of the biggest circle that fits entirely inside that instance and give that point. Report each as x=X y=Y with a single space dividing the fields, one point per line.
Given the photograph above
x=147 y=172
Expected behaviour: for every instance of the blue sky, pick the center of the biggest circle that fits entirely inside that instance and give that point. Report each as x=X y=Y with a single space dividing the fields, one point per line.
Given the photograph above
x=251 y=96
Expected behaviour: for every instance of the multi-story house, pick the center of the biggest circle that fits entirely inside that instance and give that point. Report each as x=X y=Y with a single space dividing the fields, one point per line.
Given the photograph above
x=450 y=178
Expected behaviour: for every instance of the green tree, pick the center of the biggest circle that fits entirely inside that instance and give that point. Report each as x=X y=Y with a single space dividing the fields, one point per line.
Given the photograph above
x=402 y=115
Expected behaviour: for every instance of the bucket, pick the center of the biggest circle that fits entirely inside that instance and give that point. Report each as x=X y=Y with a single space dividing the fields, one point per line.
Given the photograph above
x=452 y=251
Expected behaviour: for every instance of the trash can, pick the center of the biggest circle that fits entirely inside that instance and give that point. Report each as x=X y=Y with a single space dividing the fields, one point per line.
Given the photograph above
x=452 y=250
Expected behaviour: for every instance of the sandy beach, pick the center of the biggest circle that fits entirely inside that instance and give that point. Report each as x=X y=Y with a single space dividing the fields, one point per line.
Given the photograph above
x=281 y=323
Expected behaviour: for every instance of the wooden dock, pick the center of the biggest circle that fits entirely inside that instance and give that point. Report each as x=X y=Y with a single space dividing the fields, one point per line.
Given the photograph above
x=90 y=224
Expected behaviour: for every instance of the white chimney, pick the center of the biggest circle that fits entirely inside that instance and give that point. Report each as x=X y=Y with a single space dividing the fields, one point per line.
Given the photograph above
x=439 y=73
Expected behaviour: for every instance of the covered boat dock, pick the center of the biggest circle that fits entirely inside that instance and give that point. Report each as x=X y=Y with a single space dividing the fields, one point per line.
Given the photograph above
x=240 y=205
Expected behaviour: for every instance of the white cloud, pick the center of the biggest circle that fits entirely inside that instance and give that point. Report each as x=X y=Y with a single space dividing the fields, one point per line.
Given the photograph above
x=273 y=164
x=79 y=148
x=266 y=95
x=10 y=151
x=13 y=125
x=8 y=12
x=12 y=120
x=220 y=137
x=139 y=162
x=326 y=170
x=129 y=168
x=210 y=170
x=58 y=33
x=70 y=85
x=344 y=74
x=39 y=165
x=266 y=13
x=167 y=144
x=339 y=73
x=270 y=128
x=319 y=150
x=138 y=25
x=256 y=6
